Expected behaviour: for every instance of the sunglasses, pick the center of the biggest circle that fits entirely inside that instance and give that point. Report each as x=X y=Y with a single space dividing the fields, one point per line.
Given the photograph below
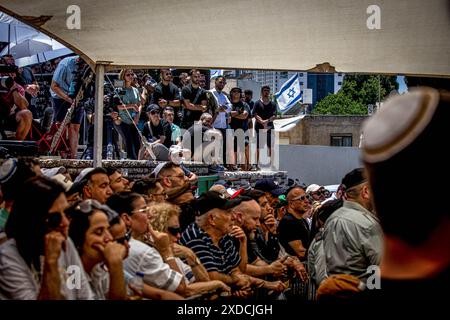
x=54 y=220
x=87 y=206
x=154 y=112
x=126 y=237
x=301 y=198
x=143 y=210
x=174 y=230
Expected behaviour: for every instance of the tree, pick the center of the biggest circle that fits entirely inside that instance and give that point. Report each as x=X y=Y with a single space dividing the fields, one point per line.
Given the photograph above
x=357 y=92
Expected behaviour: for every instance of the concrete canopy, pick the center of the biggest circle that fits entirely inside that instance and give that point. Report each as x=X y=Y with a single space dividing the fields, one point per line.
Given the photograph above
x=252 y=34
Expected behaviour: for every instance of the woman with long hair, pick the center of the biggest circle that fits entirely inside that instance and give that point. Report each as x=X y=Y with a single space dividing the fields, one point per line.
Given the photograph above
x=102 y=257
x=39 y=260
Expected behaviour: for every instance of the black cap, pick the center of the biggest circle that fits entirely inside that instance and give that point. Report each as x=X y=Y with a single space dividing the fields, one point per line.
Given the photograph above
x=269 y=185
x=153 y=107
x=213 y=200
x=353 y=178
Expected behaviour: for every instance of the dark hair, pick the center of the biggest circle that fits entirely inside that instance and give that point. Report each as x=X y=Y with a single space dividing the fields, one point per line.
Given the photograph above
x=218 y=77
x=248 y=92
x=167 y=167
x=265 y=87
x=193 y=71
x=168 y=109
x=122 y=202
x=144 y=186
x=13 y=186
x=27 y=220
x=255 y=194
x=111 y=170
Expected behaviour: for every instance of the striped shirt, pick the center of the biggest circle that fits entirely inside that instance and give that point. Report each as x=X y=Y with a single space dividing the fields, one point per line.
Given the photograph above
x=223 y=258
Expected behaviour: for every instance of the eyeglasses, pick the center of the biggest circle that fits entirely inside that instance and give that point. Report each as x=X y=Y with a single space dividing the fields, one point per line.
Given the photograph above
x=154 y=112
x=126 y=237
x=143 y=210
x=174 y=230
x=301 y=198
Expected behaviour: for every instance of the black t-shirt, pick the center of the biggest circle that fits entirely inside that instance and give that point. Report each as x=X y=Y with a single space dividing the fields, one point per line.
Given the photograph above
x=264 y=111
x=239 y=123
x=290 y=229
x=152 y=133
x=169 y=93
x=251 y=105
x=189 y=93
x=260 y=248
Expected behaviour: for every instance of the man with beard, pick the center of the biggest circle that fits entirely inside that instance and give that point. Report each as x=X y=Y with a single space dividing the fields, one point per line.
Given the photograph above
x=117 y=182
x=194 y=100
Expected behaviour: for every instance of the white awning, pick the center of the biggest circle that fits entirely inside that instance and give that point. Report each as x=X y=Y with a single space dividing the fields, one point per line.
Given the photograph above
x=252 y=34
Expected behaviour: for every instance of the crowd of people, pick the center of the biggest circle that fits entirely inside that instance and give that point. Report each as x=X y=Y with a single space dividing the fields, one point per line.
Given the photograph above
x=152 y=116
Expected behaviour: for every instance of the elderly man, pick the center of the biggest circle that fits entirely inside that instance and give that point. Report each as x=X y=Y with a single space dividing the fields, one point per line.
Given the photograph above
x=212 y=237
x=352 y=236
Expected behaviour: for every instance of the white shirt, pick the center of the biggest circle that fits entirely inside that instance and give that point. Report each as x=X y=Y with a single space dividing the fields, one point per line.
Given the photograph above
x=221 y=119
x=146 y=259
x=18 y=282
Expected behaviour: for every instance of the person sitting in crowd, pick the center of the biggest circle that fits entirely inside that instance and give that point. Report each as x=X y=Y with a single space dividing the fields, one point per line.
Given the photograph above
x=38 y=247
x=209 y=238
x=169 y=115
x=102 y=258
x=158 y=134
x=94 y=184
x=165 y=219
x=117 y=182
x=126 y=120
x=151 y=189
x=156 y=262
x=14 y=113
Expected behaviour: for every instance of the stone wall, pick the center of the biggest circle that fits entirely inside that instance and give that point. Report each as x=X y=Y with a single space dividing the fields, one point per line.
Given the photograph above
x=317 y=130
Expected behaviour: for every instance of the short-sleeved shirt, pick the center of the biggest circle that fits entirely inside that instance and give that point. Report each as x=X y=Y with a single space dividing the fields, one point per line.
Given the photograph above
x=7 y=99
x=239 y=123
x=264 y=111
x=19 y=282
x=64 y=75
x=223 y=258
x=146 y=259
x=131 y=96
x=169 y=93
x=291 y=229
x=361 y=246
x=189 y=93
x=221 y=118
x=153 y=133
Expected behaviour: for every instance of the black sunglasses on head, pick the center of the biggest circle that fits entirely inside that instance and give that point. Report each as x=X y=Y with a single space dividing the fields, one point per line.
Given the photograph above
x=54 y=219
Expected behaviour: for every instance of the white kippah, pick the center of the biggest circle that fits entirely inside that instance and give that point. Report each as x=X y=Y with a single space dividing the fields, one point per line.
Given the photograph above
x=395 y=126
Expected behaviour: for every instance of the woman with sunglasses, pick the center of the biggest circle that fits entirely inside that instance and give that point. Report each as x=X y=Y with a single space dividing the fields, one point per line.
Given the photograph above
x=165 y=219
x=102 y=257
x=155 y=261
x=126 y=119
x=39 y=260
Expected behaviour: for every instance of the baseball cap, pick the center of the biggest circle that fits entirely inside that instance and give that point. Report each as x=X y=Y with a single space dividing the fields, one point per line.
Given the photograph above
x=153 y=107
x=210 y=200
x=353 y=178
x=269 y=185
x=312 y=188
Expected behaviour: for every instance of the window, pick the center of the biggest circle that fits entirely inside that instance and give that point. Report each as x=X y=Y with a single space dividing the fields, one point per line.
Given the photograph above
x=301 y=83
x=339 y=74
x=341 y=140
x=301 y=74
x=339 y=83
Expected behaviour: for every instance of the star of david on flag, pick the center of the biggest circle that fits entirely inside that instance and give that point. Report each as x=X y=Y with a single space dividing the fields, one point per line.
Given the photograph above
x=289 y=94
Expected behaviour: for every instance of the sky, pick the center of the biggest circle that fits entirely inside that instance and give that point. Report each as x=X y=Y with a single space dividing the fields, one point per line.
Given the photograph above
x=401 y=84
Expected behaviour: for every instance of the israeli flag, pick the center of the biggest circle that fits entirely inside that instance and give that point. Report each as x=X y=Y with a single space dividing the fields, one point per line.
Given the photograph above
x=216 y=72
x=289 y=94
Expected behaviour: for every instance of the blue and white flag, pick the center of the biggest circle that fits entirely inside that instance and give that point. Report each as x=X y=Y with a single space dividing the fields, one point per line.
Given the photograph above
x=216 y=72
x=289 y=94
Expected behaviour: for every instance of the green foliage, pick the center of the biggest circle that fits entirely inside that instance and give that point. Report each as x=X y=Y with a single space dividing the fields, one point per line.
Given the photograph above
x=356 y=93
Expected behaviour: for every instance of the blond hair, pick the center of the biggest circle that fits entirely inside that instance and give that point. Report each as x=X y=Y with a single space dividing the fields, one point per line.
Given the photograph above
x=162 y=212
